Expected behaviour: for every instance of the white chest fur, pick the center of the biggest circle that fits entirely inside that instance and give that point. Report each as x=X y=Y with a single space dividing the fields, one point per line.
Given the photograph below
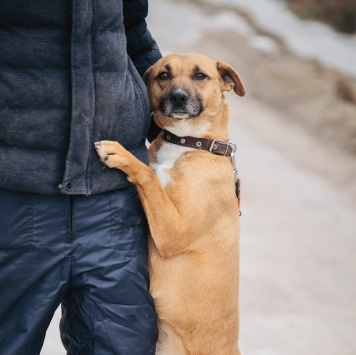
x=169 y=153
x=166 y=157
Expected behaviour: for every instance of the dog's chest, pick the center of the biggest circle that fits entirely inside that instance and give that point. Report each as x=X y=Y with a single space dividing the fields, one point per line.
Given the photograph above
x=166 y=157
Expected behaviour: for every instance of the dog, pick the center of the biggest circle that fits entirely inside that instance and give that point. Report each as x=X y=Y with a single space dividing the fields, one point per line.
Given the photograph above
x=188 y=194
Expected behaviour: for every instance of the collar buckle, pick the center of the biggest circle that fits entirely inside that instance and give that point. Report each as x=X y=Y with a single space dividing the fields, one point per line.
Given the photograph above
x=227 y=144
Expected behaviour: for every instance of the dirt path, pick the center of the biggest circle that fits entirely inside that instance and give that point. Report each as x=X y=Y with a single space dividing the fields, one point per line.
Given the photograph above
x=297 y=249
x=298 y=237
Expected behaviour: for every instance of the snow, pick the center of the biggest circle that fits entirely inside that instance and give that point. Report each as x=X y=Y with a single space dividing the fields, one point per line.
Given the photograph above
x=235 y=22
x=309 y=39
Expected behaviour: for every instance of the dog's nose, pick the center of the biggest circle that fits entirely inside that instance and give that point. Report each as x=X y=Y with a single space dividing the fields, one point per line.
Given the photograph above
x=178 y=96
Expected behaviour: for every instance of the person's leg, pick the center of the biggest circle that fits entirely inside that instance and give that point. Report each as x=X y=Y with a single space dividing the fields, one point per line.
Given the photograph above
x=34 y=268
x=108 y=309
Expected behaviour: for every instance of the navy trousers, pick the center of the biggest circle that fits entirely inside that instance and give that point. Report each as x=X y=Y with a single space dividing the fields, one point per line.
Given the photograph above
x=88 y=253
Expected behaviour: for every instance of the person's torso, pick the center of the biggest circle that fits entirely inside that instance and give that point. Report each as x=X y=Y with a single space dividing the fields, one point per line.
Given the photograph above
x=65 y=82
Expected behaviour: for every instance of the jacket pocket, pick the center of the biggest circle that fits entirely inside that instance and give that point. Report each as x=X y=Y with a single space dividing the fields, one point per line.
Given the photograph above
x=16 y=222
x=126 y=211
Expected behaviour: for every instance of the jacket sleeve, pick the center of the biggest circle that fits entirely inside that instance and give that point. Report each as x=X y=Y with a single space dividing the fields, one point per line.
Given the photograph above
x=141 y=46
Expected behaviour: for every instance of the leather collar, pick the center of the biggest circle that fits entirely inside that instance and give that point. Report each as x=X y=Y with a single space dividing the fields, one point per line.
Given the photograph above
x=211 y=145
x=214 y=146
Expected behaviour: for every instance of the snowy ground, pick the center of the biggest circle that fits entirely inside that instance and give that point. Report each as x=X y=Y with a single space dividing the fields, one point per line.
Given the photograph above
x=306 y=38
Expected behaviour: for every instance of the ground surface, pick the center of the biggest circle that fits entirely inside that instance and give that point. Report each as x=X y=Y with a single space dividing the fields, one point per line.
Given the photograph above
x=298 y=237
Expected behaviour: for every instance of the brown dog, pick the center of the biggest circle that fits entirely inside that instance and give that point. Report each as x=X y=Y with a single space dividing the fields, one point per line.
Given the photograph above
x=190 y=202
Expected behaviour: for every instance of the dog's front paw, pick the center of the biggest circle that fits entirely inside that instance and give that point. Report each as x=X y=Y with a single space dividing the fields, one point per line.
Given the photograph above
x=112 y=154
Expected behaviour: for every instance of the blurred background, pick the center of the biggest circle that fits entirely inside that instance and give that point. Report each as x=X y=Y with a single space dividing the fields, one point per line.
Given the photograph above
x=296 y=136
x=339 y=14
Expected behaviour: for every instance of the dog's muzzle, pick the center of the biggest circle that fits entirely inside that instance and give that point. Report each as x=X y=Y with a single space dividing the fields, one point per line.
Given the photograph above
x=180 y=104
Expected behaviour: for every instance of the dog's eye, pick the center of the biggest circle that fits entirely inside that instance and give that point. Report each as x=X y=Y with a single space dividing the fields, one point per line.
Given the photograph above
x=163 y=76
x=200 y=76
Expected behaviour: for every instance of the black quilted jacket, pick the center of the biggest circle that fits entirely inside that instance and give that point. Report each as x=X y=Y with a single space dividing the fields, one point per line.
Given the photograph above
x=70 y=76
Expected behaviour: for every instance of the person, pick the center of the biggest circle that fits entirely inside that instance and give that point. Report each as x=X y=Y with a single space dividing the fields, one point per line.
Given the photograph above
x=73 y=232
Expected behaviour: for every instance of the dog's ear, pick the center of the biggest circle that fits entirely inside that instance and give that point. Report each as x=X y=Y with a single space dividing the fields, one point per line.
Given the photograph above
x=230 y=79
x=146 y=76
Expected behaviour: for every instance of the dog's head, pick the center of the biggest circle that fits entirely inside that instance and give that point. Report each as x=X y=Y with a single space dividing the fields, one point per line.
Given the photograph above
x=189 y=87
